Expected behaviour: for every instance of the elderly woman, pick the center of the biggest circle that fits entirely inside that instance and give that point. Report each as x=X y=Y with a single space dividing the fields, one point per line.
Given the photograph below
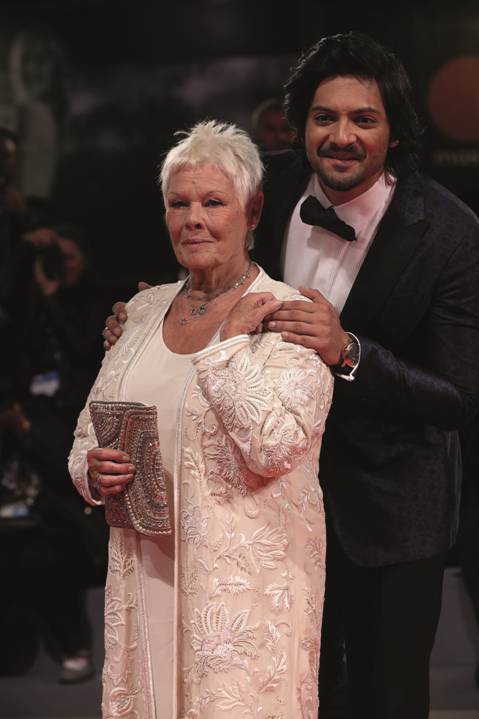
x=222 y=618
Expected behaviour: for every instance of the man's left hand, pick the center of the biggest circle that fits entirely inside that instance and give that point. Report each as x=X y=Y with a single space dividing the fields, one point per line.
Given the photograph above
x=313 y=324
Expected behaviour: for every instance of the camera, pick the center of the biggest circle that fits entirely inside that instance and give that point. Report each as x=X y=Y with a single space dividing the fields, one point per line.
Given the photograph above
x=52 y=262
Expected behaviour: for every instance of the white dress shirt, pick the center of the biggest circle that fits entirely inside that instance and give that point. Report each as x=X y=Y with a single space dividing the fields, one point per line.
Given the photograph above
x=315 y=257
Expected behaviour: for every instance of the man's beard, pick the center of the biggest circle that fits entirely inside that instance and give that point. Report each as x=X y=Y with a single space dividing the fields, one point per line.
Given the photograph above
x=335 y=180
x=340 y=182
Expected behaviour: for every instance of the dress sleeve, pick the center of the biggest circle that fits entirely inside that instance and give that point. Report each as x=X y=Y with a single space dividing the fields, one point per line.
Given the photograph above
x=85 y=439
x=106 y=387
x=273 y=410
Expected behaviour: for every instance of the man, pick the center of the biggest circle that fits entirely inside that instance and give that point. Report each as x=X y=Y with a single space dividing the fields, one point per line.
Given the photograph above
x=408 y=289
x=393 y=276
x=271 y=130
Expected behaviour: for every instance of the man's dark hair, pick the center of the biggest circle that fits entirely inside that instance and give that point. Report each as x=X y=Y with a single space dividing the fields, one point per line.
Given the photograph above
x=357 y=55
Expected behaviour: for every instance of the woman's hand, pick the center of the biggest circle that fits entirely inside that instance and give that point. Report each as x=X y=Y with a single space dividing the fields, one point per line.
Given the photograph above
x=109 y=470
x=248 y=314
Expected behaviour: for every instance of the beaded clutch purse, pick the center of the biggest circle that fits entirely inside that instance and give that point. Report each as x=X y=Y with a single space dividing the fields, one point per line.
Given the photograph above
x=132 y=428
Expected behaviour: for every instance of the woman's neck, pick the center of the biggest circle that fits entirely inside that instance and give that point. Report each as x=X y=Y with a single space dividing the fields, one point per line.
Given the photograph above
x=218 y=279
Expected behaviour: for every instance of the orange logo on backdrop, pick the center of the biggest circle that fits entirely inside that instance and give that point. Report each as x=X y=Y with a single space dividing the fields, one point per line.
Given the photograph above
x=453 y=98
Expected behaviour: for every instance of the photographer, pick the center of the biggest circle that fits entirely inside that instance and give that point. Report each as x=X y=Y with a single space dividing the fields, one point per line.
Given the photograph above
x=56 y=351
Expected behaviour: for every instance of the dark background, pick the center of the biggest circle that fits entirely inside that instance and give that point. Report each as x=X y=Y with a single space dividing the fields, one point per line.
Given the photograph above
x=126 y=75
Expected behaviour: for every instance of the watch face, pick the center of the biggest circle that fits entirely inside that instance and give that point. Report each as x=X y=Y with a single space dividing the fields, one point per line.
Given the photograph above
x=351 y=354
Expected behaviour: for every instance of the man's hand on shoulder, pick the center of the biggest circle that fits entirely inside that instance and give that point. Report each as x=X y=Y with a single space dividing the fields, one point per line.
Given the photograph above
x=313 y=324
x=113 y=329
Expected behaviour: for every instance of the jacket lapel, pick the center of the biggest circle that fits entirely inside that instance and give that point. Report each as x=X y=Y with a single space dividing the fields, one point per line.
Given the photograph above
x=397 y=240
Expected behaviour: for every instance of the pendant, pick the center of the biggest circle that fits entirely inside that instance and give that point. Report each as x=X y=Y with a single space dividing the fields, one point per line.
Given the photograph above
x=183 y=321
x=200 y=310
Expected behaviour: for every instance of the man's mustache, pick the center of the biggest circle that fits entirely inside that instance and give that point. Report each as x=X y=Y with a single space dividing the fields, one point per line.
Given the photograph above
x=350 y=152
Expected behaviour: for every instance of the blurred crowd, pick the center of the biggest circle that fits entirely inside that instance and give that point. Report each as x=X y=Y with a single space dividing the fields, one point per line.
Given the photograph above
x=51 y=315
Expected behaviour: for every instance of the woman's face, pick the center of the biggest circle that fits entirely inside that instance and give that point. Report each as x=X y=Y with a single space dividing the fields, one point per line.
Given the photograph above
x=207 y=224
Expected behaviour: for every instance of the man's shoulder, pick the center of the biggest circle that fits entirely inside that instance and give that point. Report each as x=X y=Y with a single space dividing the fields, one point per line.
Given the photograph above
x=439 y=202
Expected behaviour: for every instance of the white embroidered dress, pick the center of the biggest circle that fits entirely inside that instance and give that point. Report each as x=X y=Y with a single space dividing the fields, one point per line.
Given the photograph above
x=249 y=540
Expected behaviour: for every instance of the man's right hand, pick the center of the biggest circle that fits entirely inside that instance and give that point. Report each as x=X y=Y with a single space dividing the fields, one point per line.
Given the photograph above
x=113 y=329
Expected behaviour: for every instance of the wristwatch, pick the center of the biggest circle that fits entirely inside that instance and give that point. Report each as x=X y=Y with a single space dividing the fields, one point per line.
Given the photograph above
x=349 y=359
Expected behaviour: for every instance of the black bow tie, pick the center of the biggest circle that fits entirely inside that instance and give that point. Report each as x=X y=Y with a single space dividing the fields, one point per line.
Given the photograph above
x=313 y=213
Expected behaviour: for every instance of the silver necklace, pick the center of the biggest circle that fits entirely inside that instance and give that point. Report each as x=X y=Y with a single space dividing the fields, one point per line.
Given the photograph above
x=195 y=311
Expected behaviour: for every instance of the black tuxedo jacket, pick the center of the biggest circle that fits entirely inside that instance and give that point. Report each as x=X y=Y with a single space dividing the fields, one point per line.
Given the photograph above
x=390 y=462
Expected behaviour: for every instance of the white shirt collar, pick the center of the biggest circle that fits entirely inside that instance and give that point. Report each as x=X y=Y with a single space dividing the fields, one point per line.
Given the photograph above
x=363 y=209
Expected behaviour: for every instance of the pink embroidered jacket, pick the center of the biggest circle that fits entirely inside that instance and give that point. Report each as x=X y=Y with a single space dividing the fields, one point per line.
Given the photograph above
x=250 y=534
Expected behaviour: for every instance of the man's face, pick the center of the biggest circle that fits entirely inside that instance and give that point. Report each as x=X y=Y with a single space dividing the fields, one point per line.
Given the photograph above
x=274 y=132
x=347 y=136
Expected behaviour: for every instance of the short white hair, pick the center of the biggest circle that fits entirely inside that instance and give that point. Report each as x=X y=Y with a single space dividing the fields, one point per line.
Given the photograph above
x=221 y=144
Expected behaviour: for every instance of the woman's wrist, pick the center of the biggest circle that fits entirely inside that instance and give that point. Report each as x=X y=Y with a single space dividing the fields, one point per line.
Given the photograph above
x=228 y=331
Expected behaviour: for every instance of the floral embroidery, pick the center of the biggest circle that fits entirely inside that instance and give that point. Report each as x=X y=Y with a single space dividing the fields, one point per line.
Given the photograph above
x=115 y=618
x=281 y=597
x=189 y=581
x=235 y=696
x=282 y=448
x=296 y=387
x=270 y=679
x=243 y=562
x=122 y=703
x=273 y=636
x=221 y=643
x=268 y=546
x=227 y=698
x=226 y=462
x=201 y=702
x=314 y=607
x=308 y=697
x=230 y=585
x=196 y=472
x=310 y=497
x=240 y=393
x=194 y=525
x=247 y=488
x=120 y=560
x=316 y=550
x=312 y=646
